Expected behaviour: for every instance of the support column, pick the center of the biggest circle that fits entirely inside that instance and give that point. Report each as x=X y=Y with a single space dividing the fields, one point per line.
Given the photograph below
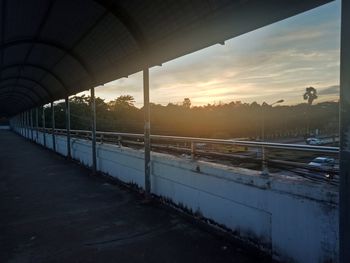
x=93 y=130
x=27 y=124
x=37 y=123
x=24 y=125
x=44 y=131
x=344 y=191
x=147 y=131
x=69 y=155
x=31 y=124
x=21 y=120
x=53 y=126
x=264 y=170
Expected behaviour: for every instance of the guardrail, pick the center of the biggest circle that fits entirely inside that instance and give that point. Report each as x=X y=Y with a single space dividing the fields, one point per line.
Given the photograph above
x=191 y=146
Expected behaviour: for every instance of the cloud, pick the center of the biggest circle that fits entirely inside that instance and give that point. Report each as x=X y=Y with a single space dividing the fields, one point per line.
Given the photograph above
x=332 y=90
x=279 y=60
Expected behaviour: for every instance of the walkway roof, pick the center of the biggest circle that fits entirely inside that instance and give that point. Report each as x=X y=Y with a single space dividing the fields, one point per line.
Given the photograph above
x=54 y=48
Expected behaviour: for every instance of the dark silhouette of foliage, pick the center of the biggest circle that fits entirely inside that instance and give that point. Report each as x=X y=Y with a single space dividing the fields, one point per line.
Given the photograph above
x=310 y=95
x=186 y=103
x=224 y=120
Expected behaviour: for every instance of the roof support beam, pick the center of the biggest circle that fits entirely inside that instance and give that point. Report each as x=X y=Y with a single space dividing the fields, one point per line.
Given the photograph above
x=10 y=99
x=53 y=74
x=78 y=41
x=33 y=81
x=23 y=94
x=41 y=26
x=129 y=23
x=3 y=26
x=38 y=32
x=39 y=97
x=84 y=65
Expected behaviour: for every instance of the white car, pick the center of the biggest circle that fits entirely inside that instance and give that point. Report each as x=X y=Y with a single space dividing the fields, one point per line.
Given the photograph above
x=322 y=163
x=313 y=141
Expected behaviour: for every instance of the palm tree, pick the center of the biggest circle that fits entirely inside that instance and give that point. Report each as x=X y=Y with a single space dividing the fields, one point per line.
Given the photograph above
x=310 y=95
x=186 y=103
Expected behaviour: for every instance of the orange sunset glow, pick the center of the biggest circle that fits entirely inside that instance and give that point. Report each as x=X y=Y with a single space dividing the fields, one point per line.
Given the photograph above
x=279 y=60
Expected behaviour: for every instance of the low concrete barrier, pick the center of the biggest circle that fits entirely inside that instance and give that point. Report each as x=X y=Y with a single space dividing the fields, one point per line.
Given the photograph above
x=295 y=220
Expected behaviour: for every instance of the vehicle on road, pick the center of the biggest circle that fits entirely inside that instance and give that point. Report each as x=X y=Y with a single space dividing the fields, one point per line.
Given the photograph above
x=324 y=163
x=313 y=141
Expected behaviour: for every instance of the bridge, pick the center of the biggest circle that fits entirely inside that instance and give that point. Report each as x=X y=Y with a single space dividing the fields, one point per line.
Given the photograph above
x=75 y=198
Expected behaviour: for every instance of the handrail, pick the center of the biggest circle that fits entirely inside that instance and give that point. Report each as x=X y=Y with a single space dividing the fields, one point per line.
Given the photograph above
x=284 y=146
x=328 y=174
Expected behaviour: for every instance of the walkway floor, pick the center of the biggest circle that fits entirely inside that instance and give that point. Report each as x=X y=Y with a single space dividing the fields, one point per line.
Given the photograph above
x=51 y=210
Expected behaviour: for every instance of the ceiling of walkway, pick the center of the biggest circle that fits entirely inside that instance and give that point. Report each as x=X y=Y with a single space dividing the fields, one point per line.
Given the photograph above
x=54 y=48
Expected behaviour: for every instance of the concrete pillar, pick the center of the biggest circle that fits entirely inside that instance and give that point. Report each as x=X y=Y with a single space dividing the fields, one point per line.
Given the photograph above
x=344 y=191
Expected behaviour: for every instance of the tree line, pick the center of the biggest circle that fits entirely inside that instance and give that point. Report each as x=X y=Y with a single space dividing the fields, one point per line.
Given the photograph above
x=224 y=120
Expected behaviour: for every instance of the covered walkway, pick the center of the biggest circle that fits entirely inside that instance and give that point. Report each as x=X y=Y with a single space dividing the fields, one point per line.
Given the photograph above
x=53 y=211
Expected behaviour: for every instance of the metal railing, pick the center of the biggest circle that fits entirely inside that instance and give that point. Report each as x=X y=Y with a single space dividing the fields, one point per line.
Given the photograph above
x=194 y=140
x=193 y=146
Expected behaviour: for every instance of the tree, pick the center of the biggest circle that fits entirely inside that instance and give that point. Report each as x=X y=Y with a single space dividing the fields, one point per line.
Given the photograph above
x=310 y=95
x=80 y=99
x=186 y=103
x=228 y=120
x=123 y=101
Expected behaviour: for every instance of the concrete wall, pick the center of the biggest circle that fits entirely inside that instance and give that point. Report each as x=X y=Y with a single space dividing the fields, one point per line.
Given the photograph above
x=296 y=221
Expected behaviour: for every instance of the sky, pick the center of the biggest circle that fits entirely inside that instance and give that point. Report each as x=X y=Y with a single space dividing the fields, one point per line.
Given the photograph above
x=274 y=62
